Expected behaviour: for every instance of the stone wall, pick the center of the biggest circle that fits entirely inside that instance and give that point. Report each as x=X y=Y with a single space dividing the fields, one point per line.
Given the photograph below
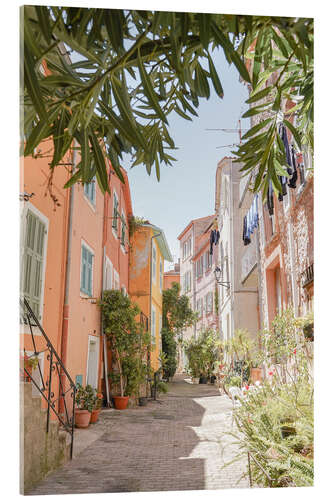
x=40 y=452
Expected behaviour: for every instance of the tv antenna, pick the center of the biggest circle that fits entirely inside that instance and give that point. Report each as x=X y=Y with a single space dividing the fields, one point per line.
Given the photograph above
x=232 y=131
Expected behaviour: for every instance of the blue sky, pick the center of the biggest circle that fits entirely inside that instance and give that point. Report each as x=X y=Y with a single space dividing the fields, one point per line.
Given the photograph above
x=186 y=190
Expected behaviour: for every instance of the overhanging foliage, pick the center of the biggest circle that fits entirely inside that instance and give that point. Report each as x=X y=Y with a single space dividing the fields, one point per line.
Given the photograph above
x=132 y=69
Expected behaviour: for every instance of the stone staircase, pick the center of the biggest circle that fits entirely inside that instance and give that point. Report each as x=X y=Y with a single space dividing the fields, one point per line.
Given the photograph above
x=41 y=452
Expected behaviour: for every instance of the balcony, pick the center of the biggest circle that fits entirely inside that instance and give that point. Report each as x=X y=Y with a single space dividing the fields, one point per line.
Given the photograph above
x=307 y=276
x=249 y=261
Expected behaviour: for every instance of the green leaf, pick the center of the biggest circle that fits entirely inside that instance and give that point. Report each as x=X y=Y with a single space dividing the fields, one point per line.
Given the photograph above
x=204 y=28
x=101 y=173
x=294 y=132
x=38 y=133
x=58 y=137
x=44 y=22
x=149 y=91
x=256 y=128
x=259 y=95
x=74 y=179
x=180 y=113
x=32 y=85
x=254 y=111
x=215 y=78
x=230 y=52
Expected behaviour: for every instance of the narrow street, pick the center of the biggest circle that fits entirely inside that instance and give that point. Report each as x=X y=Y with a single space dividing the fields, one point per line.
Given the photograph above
x=176 y=443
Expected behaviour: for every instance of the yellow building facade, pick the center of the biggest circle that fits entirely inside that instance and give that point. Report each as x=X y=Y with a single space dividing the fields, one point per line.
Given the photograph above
x=148 y=251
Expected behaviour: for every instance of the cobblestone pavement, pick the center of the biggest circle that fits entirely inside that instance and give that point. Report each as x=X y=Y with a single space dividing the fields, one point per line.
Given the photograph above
x=176 y=443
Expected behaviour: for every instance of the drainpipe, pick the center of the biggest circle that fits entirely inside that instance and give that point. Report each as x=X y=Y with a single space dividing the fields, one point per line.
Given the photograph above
x=65 y=319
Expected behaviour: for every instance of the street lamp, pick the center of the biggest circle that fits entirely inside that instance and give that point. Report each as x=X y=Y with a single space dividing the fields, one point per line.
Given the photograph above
x=218 y=277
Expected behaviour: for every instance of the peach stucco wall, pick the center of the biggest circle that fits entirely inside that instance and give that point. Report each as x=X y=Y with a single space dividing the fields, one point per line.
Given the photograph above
x=83 y=313
x=34 y=178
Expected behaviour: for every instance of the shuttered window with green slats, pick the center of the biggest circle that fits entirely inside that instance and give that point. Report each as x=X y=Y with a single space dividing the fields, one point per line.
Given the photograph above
x=32 y=275
x=90 y=191
x=86 y=270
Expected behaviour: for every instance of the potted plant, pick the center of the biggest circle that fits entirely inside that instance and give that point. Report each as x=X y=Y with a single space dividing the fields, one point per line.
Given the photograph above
x=98 y=397
x=308 y=327
x=129 y=345
x=30 y=364
x=84 y=400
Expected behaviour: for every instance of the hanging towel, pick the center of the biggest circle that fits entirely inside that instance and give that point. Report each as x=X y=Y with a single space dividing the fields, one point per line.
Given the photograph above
x=246 y=237
x=256 y=198
x=293 y=178
x=270 y=199
x=212 y=241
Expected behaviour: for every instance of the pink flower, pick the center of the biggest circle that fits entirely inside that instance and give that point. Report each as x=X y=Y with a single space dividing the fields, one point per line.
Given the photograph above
x=294 y=351
x=247 y=387
x=270 y=373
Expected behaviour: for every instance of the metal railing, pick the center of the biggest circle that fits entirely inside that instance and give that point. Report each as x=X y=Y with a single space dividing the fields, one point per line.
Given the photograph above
x=251 y=457
x=50 y=378
x=307 y=275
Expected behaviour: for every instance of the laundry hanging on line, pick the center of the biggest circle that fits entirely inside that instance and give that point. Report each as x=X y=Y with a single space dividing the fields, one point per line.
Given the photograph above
x=291 y=161
x=250 y=221
x=214 y=239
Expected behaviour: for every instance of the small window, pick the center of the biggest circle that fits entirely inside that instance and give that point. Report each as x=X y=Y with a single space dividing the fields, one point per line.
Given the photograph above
x=116 y=284
x=90 y=191
x=108 y=274
x=115 y=215
x=86 y=270
x=209 y=303
x=123 y=229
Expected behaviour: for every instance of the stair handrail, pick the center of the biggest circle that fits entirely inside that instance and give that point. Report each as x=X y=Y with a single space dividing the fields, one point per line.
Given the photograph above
x=67 y=423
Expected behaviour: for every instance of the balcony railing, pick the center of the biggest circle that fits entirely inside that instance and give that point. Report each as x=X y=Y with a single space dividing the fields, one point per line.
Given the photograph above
x=50 y=379
x=307 y=275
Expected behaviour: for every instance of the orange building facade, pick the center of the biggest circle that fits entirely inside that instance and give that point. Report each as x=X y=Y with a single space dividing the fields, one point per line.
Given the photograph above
x=149 y=250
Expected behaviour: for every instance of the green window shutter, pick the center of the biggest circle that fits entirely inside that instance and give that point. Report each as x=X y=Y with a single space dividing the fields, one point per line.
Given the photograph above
x=83 y=268
x=33 y=261
x=115 y=212
x=86 y=271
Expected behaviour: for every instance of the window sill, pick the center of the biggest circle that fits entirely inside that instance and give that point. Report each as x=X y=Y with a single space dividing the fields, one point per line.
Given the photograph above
x=84 y=295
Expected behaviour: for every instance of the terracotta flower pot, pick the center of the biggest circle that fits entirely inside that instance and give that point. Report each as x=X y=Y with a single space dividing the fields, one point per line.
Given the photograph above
x=256 y=375
x=121 y=402
x=95 y=415
x=82 y=418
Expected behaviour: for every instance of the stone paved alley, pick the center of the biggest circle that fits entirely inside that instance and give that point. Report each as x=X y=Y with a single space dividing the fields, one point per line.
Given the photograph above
x=178 y=443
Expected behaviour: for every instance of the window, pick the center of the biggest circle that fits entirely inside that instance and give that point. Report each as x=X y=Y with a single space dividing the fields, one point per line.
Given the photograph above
x=123 y=229
x=153 y=324
x=33 y=262
x=161 y=274
x=116 y=284
x=208 y=261
x=200 y=266
x=154 y=263
x=187 y=281
x=209 y=302
x=187 y=248
x=115 y=214
x=86 y=270
x=90 y=191
x=108 y=274
x=200 y=307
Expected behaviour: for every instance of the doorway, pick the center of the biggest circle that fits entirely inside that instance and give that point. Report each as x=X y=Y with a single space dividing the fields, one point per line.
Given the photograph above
x=92 y=363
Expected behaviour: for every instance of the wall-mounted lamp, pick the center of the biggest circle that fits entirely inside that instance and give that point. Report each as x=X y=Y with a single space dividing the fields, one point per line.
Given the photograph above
x=218 y=277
